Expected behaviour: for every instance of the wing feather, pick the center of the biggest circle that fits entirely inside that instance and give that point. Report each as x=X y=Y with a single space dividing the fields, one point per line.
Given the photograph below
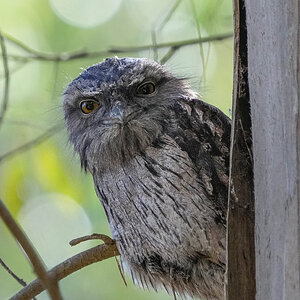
x=203 y=131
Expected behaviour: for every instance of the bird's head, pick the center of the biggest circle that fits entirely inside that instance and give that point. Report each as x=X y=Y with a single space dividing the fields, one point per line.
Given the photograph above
x=118 y=107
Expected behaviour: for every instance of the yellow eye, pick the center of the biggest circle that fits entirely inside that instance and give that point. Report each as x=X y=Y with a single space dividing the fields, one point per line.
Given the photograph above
x=146 y=88
x=88 y=106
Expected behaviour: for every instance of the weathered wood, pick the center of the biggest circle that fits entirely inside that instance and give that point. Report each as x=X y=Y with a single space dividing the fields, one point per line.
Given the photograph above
x=273 y=56
x=240 y=232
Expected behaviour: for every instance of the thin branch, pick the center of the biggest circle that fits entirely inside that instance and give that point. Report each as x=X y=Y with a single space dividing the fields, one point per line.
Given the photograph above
x=38 y=140
x=55 y=76
x=5 y=266
x=37 y=55
x=169 y=14
x=107 y=241
x=18 y=66
x=19 y=44
x=199 y=36
x=95 y=236
x=69 y=266
x=17 y=278
x=23 y=123
x=6 y=77
x=159 y=27
x=38 y=265
x=154 y=42
x=168 y=55
x=121 y=271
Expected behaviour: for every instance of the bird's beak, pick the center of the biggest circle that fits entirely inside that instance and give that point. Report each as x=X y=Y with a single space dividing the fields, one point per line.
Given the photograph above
x=121 y=114
x=117 y=111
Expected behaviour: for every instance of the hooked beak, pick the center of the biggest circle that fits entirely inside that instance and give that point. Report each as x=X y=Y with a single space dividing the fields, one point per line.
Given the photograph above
x=121 y=114
x=117 y=110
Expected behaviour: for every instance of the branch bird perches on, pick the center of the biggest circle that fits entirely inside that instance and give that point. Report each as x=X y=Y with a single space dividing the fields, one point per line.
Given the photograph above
x=71 y=265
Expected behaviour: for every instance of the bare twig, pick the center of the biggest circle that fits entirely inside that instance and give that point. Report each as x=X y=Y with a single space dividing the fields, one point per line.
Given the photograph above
x=69 y=266
x=20 y=280
x=20 y=44
x=37 y=55
x=6 y=77
x=199 y=36
x=55 y=76
x=154 y=43
x=121 y=271
x=162 y=24
x=159 y=25
x=95 y=236
x=168 y=55
x=107 y=241
x=18 y=66
x=169 y=14
x=38 y=140
x=39 y=268
x=23 y=123
x=178 y=44
x=17 y=278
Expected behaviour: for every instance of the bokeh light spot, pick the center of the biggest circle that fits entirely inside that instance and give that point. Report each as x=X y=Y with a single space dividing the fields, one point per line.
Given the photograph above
x=85 y=13
x=51 y=221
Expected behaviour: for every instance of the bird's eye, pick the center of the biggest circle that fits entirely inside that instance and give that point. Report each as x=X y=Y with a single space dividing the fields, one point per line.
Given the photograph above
x=146 y=88
x=88 y=106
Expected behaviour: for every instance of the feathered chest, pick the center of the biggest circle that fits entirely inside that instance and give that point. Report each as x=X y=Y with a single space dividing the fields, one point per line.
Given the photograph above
x=156 y=202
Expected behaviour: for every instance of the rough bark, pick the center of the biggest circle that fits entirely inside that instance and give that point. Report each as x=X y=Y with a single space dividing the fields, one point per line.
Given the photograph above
x=240 y=233
x=273 y=56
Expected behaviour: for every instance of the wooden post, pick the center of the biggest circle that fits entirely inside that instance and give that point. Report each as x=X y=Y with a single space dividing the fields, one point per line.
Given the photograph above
x=274 y=86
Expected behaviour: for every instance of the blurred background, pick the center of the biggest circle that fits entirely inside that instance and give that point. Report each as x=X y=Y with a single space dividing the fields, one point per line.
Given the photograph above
x=40 y=178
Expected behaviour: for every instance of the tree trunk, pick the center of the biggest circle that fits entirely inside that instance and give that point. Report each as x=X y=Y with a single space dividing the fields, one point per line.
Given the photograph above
x=274 y=81
x=240 y=229
x=267 y=81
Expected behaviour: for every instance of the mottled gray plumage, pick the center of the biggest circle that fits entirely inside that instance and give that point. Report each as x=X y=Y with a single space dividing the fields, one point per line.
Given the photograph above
x=159 y=159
